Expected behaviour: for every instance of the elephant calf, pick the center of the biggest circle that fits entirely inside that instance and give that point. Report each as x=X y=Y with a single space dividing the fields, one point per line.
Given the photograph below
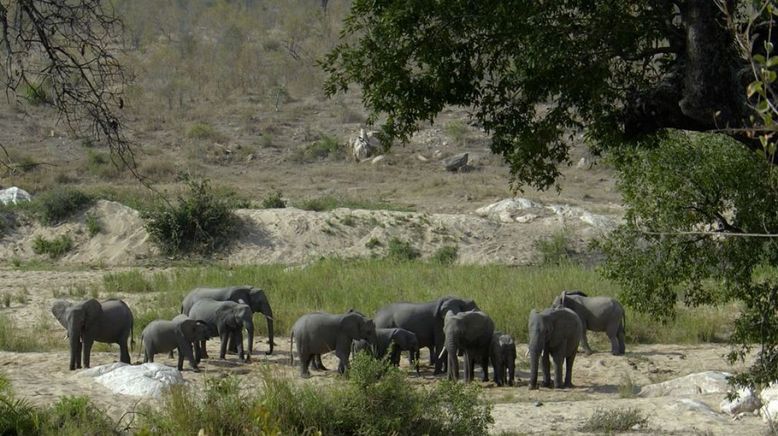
x=470 y=333
x=502 y=353
x=393 y=342
x=161 y=336
x=553 y=333
x=226 y=319
x=318 y=333
x=598 y=314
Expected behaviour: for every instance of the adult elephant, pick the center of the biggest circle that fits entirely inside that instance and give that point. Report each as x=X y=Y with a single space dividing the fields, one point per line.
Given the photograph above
x=226 y=319
x=598 y=314
x=425 y=320
x=469 y=333
x=161 y=336
x=255 y=298
x=319 y=332
x=89 y=321
x=554 y=333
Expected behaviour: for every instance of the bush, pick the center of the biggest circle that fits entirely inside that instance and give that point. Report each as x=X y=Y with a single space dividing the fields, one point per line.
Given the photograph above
x=446 y=255
x=376 y=399
x=199 y=223
x=373 y=243
x=555 y=249
x=93 y=226
x=326 y=147
x=53 y=207
x=132 y=282
x=37 y=93
x=401 y=250
x=273 y=201
x=203 y=131
x=617 y=420
x=55 y=248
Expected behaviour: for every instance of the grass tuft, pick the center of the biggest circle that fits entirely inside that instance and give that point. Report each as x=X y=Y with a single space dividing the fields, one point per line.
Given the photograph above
x=55 y=248
x=400 y=250
x=611 y=421
x=446 y=255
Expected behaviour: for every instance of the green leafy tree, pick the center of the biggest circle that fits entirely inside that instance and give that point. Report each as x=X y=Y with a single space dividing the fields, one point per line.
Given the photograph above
x=531 y=73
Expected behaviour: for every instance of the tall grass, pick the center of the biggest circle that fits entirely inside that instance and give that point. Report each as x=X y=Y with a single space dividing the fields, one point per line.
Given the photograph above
x=13 y=338
x=506 y=293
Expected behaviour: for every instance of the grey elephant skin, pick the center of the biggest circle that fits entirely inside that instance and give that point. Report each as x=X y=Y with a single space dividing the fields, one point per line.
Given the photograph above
x=319 y=332
x=162 y=336
x=391 y=342
x=598 y=314
x=553 y=333
x=469 y=333
x=226 y=319
x=253 y=297
x=89 y=321
x=425 y=320
x=502 y=354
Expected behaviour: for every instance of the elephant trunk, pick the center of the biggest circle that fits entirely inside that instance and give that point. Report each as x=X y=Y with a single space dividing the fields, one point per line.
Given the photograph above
x=75 y=348
x=269 y=315
x=453 y=360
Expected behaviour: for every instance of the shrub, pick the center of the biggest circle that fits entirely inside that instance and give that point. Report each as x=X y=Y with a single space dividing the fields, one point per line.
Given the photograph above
x=617 y=420
x=132 y=282
x=55 y=206
x=273 y=201
x=326 y=147
x=77 y=415
x=555 y=249
x=200 y=222
x=26 y=164
x=457 y=131
x=373 y=243
x=53 y=247
x=93 y=226
x=14 y=338
x=401 y=250
x=446 y=255
x=37 y=93
x=203 y=131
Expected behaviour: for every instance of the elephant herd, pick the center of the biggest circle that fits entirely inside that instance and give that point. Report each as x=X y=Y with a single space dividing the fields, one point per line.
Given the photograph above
x=449 y=327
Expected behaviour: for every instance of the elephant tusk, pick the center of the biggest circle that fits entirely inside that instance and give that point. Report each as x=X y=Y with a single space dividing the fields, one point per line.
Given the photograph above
x=440 y=356
x=268 y=317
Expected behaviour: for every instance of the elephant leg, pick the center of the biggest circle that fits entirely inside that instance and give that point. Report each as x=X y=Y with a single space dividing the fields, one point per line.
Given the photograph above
x=546 y=370
x=124 y=352
x=203 y=351
x=342 y=361
x=621 y=339
x=511 y=373
x=559 y=360
x=87 y=351
x=453 y=365
x=585 y=341
x=170 y=354
x=197 y=352
x=238 y=338
x=569 y=371
x=147 y=357
x=223 y=349
x=232 y=345
x=468 y=365
x=484 y=365
x=305 y=362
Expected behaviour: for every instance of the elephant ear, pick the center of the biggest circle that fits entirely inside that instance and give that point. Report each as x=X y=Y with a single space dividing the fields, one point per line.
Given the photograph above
x=350 y=324
x=58 y=309
x=441 y=307
x=188 y=329
x=93 y=310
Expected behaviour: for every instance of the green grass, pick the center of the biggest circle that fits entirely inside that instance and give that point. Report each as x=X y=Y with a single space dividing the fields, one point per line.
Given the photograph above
x=127 y=282
x=611 y=421
x=400 y=250
x=58 y=204
x=56 y=247
x=273 y=200
x=374 y=400
x=13 y=338
x=506 y=293
x=446 y=255
x=93 y=225
x=328 y=202
x=204 y=131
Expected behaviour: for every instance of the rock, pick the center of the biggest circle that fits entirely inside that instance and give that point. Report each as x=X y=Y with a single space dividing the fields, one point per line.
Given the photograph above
x=377 y=159
x=583 y=163
x=456 y=162
x=688 y=404
x=528 y=218
x=14 y=195
x=709 y=382
x=747 y=401
x=146 y=380
x=769 y=398
x=364 y=145
x=421 y=158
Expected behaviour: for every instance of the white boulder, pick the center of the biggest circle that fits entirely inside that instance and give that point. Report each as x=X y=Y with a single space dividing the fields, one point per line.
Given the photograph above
x=769 y=397
x=701 y=383
x=146 y=380
x=14 y=195
x=745 y=402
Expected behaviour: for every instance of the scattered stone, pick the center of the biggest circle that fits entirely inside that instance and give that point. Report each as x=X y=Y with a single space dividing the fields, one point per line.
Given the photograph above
x=538 y=403
x=377 y=159
x=421 y=158
x=250 y=157
x=583 y=163
x=709 y=382
x=14 y=195
x=146 y=380
x=456 y=162
x=746 y=402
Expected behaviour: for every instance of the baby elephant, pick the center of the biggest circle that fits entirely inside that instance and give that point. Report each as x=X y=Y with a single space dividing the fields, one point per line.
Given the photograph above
x=502 y=353
x=392 y=341
x=161 y=336
x=553 y=333
x=226 y=319
x=318 y=333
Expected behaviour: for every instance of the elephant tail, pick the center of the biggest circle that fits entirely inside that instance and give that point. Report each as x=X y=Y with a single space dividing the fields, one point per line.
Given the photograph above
x=132 y=336
x=291 y=352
